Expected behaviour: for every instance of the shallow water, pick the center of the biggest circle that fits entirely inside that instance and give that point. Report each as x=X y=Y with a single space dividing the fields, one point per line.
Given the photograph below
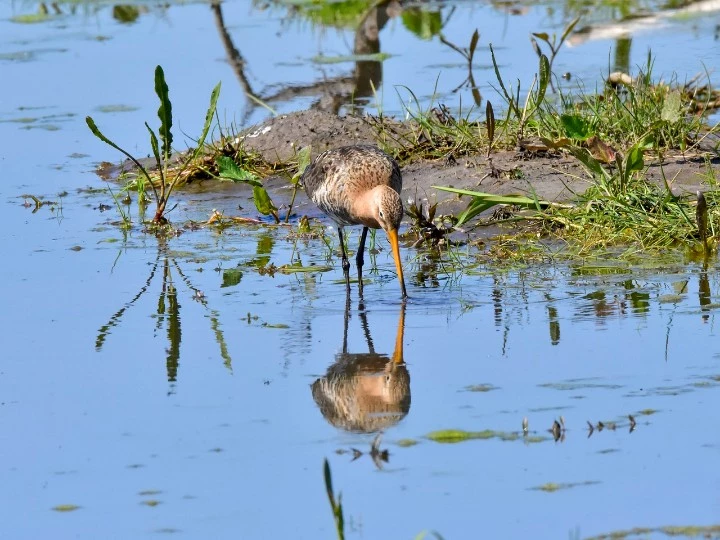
x=117 y=395
x=166 y=387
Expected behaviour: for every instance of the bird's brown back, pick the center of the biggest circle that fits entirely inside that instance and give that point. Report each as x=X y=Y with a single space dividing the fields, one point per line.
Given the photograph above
x=338 y=176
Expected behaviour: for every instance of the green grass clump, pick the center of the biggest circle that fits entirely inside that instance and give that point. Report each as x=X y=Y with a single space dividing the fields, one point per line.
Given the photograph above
x=615 y=133
x=663 y=115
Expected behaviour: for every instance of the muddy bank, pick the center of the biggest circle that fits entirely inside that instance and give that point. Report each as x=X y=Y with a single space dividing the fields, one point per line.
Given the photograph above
x=556 y=177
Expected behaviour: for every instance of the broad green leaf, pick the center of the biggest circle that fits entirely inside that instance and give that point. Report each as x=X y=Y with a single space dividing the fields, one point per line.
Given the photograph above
x=576 y=127
x=262 y=201
x=634 y=161
x=672 y=107
x=229 y=170
x=541 y=35
x=303 y=161
x=164 y=112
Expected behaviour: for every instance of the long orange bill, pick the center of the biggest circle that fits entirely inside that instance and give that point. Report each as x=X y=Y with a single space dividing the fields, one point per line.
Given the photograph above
x=393 y=237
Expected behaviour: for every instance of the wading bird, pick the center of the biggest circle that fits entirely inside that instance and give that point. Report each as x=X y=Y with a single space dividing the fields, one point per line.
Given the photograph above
x=358 y=185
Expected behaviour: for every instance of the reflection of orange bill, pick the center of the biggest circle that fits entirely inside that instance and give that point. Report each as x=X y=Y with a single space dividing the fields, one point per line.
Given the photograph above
x=398 y=352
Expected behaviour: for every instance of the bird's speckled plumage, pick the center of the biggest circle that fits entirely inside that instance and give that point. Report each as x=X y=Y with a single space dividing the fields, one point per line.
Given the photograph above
x=358 y=185
x=336 y=177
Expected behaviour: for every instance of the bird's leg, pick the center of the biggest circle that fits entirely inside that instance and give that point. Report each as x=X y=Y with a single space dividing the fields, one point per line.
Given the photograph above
x=346 y=321
x=359 y=260
x=345 y=262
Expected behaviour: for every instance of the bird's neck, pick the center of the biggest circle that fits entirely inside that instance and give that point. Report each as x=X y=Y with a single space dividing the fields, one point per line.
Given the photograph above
x=365 y=208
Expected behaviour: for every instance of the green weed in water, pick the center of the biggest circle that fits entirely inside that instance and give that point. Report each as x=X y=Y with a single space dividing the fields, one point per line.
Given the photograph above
x=458 y=435
x=66 y=507
x=335 y=503
x=161 y=144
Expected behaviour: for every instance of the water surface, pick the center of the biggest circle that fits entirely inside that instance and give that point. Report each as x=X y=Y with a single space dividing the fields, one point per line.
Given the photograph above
x=166 y=386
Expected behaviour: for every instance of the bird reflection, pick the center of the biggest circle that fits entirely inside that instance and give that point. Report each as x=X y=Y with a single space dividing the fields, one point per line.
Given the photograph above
x=365 y=392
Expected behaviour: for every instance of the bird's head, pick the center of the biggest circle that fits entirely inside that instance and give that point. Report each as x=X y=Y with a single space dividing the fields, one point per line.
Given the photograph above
x=387 y=208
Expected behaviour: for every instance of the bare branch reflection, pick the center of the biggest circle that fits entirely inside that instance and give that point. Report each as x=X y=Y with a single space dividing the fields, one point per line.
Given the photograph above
x=332 y=93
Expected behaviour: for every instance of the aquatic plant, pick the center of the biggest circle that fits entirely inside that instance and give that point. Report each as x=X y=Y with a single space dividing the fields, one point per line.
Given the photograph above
x=523 y=114
x=552 y=43
x=221 y=160
x=616 y=134
x=335 y=502
x=162 y=154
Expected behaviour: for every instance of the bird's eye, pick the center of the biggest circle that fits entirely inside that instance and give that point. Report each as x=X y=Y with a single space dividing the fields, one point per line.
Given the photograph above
x=382 y=216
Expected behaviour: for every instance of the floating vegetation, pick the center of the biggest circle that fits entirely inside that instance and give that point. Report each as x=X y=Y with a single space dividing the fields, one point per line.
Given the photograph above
x=406 y=443
x=374 y=57
x=481 y=388
x=452 y=436
x=580 y=385
x=552 y=487
x=119 y=108
x=686 y=531
x=66 y=507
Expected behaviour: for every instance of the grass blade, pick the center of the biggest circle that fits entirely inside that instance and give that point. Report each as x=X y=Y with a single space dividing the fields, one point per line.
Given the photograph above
x=215 y=94
x=568 y=29
x=93 y=127
x=155 y=147
x=511 y=101
x=497 y=199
